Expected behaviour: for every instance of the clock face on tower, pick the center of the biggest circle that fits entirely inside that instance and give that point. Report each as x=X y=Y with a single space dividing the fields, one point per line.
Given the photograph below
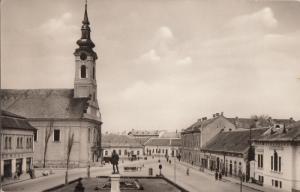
x=83 y=56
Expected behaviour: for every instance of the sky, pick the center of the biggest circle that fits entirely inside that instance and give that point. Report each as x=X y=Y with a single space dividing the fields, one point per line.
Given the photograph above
x=162 y=64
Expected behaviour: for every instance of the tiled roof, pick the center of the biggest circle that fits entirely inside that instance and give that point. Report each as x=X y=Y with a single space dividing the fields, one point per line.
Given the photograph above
x=200 y=123
x=232 y=141
x=163 y=142
x=13 y=121
x=114 y=140
x=142 y=140
x=169 y=135
x=247 y=123
x=291 y=134
x=144 y=133
x=43 y=103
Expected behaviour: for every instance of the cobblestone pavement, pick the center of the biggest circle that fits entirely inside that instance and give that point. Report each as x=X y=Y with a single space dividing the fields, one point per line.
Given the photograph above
x=195 y=182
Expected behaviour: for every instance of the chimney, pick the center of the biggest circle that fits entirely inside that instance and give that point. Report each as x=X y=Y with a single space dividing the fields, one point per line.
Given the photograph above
x=222 y=114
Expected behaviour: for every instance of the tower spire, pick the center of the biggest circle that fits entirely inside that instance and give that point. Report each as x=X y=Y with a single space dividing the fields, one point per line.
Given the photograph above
x=85 y=18
x=85 y=42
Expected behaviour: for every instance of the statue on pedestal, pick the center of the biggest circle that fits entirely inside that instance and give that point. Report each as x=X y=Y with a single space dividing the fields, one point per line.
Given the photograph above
x=114 y=162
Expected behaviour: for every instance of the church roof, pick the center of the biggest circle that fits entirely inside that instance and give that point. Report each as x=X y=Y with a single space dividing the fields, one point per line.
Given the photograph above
x=232 y=141
x=43 y=103
x=13 y=121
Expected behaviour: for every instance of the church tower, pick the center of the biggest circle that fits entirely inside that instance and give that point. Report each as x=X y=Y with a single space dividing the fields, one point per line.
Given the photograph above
x=85 y=60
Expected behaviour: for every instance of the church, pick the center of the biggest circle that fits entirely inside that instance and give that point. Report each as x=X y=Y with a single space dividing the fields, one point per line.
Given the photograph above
x=59 y=113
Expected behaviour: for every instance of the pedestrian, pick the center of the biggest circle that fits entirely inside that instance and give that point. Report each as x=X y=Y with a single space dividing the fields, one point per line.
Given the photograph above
x=187 y=171
x=216 y=175
x=220 y=176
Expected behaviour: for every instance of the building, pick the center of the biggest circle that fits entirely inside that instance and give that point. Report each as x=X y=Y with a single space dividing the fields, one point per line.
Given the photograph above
x=17 y=144
x=59 y=113
x=162 y=147
x=228 y=152
x=126 y=147
x=277 y=159
x=198 y=134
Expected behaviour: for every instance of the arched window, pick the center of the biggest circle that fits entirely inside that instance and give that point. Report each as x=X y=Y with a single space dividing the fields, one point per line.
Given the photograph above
x=275 y=161
x=83 y=71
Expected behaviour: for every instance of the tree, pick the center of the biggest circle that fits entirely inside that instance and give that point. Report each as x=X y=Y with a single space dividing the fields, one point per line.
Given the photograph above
x=69 y=149
x=48 y=134
x=261 y=121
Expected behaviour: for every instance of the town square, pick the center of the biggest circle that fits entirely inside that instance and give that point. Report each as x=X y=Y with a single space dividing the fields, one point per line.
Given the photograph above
x=140 y=95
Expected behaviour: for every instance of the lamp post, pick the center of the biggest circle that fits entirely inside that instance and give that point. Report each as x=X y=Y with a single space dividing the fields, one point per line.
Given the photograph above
x=241 y=178
x=0 y=115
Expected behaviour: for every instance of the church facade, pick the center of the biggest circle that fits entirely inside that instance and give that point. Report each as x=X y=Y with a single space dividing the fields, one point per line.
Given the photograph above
x=60 y=113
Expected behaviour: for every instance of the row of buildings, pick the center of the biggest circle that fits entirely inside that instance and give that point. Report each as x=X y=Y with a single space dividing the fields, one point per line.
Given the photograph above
x=139 y=144
x=261 y=150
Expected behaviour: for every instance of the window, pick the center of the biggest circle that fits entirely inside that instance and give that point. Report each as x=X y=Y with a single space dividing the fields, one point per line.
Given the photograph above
x=9 y=142
x=275 y=162
x=138 y=152
x=260 y=161
x=93 y=72
x=89 y=135
x=21 y=142
x=18 y=142
x=35 y=135
x=125 y=152
x=56 y=135
x=120 y=152
x=6 y=143
x=106 y=152
x=83 y=71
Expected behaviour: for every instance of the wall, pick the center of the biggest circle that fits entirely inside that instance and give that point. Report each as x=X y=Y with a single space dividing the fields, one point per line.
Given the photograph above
x=162 y=150
x=56 y=156
x=289 y=174
x=135 y=150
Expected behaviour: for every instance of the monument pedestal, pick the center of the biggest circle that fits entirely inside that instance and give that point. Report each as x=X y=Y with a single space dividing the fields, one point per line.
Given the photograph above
x=115 y=182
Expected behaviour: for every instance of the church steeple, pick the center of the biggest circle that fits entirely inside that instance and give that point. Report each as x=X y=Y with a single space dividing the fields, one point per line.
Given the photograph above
x=85 y=60
x=85 y=43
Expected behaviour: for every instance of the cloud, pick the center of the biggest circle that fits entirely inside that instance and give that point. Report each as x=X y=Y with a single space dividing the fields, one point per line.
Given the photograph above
x=57 y=28
x=261 y=20
x=150 y=56
x=185 y=61
x=164 y=33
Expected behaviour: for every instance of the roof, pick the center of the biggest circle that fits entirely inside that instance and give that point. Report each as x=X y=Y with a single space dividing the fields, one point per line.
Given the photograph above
x=169 y=135
x=144 y=133
x=163 y=142
x=142 y=140
x=201 y=123
x=13 y=121
x=232 y=141
x=290 y=133
x=247 y=123
x=114 y=140
x=43 y=103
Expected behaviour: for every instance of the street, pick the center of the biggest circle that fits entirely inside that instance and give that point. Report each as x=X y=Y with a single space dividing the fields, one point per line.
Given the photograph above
x=195 y=182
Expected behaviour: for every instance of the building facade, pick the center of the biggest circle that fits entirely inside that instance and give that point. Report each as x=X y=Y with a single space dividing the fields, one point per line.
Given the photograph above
x=199 y=134
x=229 y=152
x=125 y=146
x=17 y=145
x=162 y=147
x=277 y=159
x=60 y=113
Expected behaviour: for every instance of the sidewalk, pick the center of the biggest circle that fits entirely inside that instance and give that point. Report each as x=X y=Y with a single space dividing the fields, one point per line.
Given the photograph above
x=229 y=179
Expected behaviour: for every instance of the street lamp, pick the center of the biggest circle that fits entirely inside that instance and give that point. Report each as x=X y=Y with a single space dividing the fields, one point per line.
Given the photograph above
x=241 y=178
